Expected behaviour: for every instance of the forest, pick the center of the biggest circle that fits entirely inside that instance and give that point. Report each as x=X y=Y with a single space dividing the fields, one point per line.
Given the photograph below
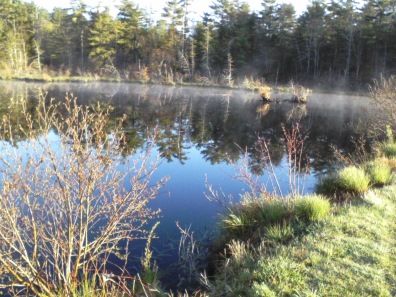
x=334 y=43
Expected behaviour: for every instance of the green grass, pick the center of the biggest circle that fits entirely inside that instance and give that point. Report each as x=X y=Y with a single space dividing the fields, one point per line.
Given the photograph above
x=301 y=250
x=353 y=179
x=389 y=149
x=246 y=217
x=312 y=208
x=351 y=253
x=327 y=185
x=279 y=233
x=380 y=173
x=350 y=179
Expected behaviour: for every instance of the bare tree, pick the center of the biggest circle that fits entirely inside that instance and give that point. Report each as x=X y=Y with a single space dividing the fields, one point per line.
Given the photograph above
x=65 y=207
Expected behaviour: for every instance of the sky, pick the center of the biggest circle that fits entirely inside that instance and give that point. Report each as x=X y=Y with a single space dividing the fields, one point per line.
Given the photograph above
x=198 y=7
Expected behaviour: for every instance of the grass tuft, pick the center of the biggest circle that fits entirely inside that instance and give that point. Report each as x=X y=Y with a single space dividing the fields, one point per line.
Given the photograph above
x=272 y=211
x=312 y=208
x=279 y=233
x=251 y=213
x=380 y=173
x=353 y=179
x=328 y=185
x=389 y=149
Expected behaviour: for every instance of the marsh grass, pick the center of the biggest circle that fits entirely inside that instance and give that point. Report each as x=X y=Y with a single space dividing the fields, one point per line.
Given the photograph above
x=350 y=179
x=252 y=83
x=391 y=162
x=273 y=218
x=353 y=179
x=300 y=94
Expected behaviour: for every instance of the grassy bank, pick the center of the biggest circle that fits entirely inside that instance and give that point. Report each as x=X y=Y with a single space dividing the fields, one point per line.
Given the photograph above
x=246 y=84
x=348 y=253
x=339 y=243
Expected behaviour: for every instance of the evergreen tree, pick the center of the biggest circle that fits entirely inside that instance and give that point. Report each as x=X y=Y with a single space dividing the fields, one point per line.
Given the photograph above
x=130 y=18
x=311 y=37
x=102 y=39
x=344 y=51
x=16 y=35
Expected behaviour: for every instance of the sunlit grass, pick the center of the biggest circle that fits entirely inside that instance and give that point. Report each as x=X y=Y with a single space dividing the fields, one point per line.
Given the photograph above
x=350 y=253
x=391 y=162
x=350 y=179
x=312 y=208
x=379 y=173
x=389 y=149
x=251 y=213
x=279 y=233
x=353 y=179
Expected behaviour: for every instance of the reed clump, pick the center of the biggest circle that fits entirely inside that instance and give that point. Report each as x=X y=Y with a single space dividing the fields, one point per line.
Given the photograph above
x=265 y=92
x=300 y=94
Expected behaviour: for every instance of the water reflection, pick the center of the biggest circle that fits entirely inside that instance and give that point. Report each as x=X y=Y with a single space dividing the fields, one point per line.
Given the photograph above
x=199 y=128
x=214 y=121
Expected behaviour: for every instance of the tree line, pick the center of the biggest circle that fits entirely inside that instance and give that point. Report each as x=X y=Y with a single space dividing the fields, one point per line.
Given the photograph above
x=337 y=42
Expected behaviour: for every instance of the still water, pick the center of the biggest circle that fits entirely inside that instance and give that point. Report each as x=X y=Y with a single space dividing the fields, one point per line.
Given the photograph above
x=202 y=132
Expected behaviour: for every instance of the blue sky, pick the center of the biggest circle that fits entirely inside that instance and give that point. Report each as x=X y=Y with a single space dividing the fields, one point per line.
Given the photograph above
x=198 y=7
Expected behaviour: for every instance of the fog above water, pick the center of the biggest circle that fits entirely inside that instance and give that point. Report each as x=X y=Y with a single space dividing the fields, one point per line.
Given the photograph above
x=202 y=130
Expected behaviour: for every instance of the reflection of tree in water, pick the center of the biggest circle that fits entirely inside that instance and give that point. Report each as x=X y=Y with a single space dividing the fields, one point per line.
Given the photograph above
x=174 y=139
x=12 y=103
x=221 y=124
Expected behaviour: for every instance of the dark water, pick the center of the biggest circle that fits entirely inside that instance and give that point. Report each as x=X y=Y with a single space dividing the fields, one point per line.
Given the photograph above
x=200 y=131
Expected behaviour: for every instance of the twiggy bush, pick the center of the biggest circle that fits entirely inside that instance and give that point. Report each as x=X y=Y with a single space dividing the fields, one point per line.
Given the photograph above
x=383 y=91
x=64 y=205
x=312 y=208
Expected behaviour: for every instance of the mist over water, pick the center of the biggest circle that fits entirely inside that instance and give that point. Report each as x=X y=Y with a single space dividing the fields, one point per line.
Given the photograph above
x=200 y=130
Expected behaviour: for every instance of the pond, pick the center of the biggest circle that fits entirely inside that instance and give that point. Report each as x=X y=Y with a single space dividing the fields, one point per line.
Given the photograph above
x=202 y=131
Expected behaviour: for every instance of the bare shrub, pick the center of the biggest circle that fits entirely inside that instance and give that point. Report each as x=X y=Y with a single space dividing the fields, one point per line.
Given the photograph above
x=65 y=206
x=383 y=91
